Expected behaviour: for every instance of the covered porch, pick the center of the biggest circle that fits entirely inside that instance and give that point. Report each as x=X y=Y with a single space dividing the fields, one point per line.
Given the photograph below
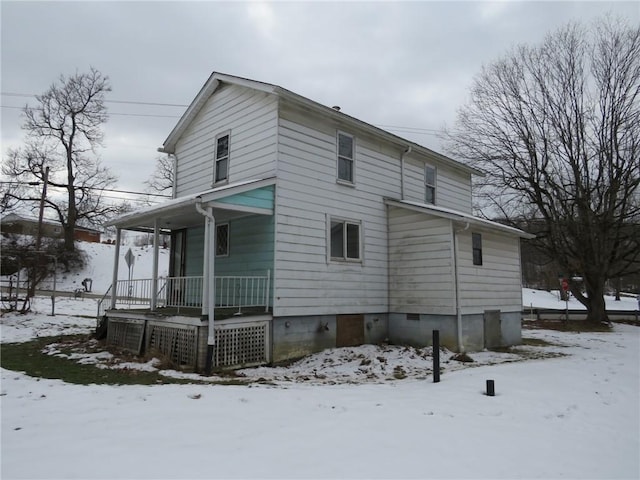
x=218 y=294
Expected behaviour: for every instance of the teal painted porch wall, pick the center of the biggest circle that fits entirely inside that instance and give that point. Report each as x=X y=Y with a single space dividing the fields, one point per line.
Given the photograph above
x=250 y=248
x=194 y=255
x=260 y=198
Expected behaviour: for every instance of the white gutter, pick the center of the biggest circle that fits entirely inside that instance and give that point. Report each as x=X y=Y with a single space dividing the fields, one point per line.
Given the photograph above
x=457 y=286
x=209 y=280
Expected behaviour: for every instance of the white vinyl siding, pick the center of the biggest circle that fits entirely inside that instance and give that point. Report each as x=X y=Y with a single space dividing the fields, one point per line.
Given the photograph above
x=496 y=284
x=307 y=192
x=453 y=187
x=420 y=263
x=251 y=116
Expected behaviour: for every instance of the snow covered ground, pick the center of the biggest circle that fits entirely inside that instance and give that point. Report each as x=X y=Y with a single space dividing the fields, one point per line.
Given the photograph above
x=575 y=416
x=570 y=410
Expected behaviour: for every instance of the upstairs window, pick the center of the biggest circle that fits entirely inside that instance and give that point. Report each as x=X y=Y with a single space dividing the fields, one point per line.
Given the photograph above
x=345 y=157
x=345 y=240
x=222 y=240
x=221 y=170
x=476 y=240
x=430 y=184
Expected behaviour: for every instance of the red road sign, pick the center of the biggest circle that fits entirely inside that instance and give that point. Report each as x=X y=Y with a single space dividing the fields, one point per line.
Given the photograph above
x=565 y=284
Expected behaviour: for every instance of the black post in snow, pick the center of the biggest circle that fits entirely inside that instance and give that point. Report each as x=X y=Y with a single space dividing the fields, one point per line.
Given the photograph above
x=436 y=356
x=491 y=388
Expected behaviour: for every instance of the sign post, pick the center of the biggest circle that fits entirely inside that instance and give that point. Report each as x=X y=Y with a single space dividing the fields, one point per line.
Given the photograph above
x=565 y=289
x=131 y=260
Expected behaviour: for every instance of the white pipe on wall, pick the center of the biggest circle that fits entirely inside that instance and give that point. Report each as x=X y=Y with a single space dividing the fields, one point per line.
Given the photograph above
x=211 y=285
x=406 y=152
x=457 y=285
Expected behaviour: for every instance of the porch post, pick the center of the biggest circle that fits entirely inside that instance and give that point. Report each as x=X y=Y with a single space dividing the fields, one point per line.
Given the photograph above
x=205 y=269
x=210 y=227
x=154 y=275
x=114 y=281
x=211 y=340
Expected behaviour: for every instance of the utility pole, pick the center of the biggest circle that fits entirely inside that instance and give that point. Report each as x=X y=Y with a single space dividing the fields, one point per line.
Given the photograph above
x=32 y=283
x=45 y=179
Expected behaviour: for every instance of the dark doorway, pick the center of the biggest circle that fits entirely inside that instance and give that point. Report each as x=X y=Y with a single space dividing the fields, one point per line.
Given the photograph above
x=349 y=330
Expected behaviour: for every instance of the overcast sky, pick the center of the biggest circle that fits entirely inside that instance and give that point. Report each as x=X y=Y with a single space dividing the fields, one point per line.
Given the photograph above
x=390 y=64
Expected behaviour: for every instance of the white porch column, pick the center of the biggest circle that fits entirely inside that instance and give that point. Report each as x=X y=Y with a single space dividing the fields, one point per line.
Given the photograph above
x=211 y=340
x=114 y=281
x=154 y=275
x=205 y=268
x=209 y=268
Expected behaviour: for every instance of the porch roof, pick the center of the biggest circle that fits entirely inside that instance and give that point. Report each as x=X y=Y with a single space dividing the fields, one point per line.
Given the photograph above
x=228 y=201
x=457 y=216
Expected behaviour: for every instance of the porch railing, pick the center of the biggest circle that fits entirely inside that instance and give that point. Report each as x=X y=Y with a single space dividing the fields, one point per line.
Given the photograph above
x=233 y=291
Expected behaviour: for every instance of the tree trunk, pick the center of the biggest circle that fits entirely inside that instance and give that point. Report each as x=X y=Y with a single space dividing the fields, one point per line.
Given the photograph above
x=596 y=308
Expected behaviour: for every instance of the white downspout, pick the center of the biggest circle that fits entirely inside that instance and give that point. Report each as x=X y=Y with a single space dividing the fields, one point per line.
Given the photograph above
x=154 y=275
x=116 y=260
x=457 y=286
x=406 y=152
x=211 y=338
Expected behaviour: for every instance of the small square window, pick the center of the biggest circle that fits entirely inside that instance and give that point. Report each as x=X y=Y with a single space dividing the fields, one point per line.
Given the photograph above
x=345 y=157
x=222 y=158
x=430 y=184
x=222 y=240
x=344 y=240
x=477 y=248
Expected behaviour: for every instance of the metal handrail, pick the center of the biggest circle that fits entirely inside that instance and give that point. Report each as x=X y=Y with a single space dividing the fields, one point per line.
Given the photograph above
x=102 y=311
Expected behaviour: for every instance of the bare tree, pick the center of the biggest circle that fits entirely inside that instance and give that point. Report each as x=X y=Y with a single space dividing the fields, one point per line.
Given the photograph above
x=556 y=129
x=161 y=181
x=62 y=133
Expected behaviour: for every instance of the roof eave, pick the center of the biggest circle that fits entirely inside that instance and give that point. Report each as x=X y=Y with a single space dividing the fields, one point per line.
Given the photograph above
x=210 y=86
x=459 y=217
x=399 y=141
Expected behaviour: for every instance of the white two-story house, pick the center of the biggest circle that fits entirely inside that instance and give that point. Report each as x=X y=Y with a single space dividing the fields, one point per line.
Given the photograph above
x=296 y=227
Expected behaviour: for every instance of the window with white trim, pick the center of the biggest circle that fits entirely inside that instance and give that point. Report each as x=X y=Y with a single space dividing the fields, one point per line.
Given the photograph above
x=222 y=240
x=476 y=240
x=346 y=157
x=221 y=168
x=430 y=184
x=344 y=240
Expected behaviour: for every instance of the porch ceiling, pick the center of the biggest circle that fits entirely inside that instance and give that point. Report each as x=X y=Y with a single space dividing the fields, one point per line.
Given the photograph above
x=181 y=212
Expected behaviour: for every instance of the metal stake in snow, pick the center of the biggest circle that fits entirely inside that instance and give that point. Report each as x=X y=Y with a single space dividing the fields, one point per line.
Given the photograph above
x=436 y=356
x=491 y=390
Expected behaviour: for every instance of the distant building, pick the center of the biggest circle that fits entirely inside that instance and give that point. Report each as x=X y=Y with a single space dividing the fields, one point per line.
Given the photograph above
x=23 y=225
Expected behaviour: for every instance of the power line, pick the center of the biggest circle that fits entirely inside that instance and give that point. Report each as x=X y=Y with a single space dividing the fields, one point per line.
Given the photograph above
x=128 y=102
x=114 y=113
x=397 y=128
x=112 y=190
